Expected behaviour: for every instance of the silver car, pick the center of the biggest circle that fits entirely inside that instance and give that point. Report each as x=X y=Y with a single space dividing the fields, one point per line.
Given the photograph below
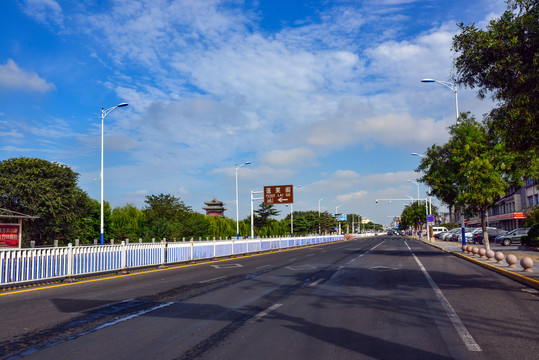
x=512 y=237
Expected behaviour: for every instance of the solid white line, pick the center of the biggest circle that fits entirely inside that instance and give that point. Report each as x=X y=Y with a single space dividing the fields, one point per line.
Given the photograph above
x=265 y=312
x=316 y=282
x=451 y=313
x=263 y=267
x=210 y=280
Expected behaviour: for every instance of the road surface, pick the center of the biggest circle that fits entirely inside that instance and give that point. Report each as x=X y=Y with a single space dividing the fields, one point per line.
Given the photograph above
x=383 y=297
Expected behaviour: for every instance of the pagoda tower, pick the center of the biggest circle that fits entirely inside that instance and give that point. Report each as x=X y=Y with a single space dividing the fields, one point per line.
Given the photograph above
x=214 y=208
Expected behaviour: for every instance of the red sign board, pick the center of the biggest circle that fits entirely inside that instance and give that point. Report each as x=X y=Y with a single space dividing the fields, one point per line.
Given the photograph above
x=279 y=194
x=10 y=235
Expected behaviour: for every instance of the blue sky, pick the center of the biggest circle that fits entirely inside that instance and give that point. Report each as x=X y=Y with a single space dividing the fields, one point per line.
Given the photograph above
x=322 y=94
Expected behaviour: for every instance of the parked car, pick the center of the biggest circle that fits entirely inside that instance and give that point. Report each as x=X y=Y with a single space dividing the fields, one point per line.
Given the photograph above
x=512 y=237
x=477 y=237
x=447 y=236
x=457 y=236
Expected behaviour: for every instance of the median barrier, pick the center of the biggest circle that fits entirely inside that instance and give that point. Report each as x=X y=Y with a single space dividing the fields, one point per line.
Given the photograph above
x=19 y=266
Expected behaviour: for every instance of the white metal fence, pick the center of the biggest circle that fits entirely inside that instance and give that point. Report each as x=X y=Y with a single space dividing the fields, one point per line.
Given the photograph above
x=26 y=265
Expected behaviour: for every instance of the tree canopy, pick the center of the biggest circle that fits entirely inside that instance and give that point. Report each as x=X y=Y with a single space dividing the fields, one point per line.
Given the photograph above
x=47 y=190
x=503 y=61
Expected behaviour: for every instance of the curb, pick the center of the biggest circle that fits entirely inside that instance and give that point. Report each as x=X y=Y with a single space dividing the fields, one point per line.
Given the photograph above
x=510 y=274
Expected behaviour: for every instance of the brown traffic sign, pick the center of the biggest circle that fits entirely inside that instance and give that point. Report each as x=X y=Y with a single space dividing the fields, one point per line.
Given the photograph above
x=279 y=194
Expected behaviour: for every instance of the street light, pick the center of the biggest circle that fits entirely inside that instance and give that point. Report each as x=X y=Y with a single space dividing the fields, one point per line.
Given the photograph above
x=237 y=206
x=319 y=229
x=417 y=184
x=103 y=114
x=417 y=154
x=292 y=215
x=452 y=87
x=336 y=210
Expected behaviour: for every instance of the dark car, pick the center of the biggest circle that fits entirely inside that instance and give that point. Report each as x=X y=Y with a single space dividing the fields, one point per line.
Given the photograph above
x=512 y=237
x=492 y=234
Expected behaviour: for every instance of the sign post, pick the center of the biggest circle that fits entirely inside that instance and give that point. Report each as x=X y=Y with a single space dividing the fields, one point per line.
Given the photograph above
x=279 y=194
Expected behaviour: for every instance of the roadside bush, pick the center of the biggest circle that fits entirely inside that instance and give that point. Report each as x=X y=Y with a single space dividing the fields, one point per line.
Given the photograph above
x=533 y=237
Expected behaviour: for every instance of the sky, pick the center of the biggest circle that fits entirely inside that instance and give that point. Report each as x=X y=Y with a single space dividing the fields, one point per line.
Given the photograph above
x=323 y=95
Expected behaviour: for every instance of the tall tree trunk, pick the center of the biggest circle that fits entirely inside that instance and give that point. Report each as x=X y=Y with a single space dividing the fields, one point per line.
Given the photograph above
x=484 y=228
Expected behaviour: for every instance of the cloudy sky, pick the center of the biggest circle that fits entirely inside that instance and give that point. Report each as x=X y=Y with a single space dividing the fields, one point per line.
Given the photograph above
x=318 y=93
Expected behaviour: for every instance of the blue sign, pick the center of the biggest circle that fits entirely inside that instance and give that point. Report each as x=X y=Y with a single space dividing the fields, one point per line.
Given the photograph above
x=340 y=217
x=430 y=218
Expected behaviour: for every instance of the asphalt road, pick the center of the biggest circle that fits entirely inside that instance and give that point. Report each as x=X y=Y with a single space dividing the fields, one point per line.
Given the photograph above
x=376 y=298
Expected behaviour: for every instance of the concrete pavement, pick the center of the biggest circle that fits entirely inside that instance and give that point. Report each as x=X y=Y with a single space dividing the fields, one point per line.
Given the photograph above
x=516 y=273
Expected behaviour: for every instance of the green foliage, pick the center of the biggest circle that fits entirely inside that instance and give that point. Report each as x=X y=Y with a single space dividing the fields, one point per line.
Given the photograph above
x=48 y=190
x=533 y=217
x=263 y=214
x=414 y=215
x=532 y=239
x=503 y=61
x=127 y=222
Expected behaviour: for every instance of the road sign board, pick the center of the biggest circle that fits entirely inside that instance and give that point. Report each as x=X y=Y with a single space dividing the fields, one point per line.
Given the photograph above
x=430 y=218
x=279 y=194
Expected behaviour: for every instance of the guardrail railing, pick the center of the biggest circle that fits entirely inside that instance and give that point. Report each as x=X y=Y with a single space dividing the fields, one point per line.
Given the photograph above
x=26 y=265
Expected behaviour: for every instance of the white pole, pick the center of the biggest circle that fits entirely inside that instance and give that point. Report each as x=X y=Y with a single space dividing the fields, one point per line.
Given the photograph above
x=102 y=227
x=237 y=205
x=103 y=114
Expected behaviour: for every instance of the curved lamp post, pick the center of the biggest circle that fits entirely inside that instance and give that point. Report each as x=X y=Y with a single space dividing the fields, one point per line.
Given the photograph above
x=237 y=207
x=452 y=87
x=417 y=184
x=104 y=113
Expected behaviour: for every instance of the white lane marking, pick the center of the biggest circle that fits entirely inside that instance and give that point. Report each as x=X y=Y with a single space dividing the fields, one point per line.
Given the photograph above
x=265 y=312
x=292 y=259
x=366 y=252
x=316 y=282
x=211 y=280
x=227 y=266
x=310 y=255
x=451 y=313
x=263 y=267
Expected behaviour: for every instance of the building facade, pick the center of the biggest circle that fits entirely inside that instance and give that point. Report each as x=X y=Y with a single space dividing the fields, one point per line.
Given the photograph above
x=510 y=212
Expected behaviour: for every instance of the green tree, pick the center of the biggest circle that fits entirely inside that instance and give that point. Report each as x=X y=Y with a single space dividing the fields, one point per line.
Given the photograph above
x=503 y=61
x=475 y=165
x=127 y=222
x=413 y=215
x=45 y=189
x=166 y=217
x=263 y=214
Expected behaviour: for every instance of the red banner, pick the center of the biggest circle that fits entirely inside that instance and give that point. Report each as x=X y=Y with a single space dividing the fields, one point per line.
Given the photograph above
x=10 y=235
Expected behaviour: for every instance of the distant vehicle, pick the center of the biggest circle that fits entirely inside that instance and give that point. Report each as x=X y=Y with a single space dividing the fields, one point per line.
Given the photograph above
x=492 y=234
x=512 y=237
x=438 y=230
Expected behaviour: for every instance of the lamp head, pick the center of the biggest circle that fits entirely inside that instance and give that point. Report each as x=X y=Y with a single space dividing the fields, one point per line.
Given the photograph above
x=122 y=105
x=428 y=80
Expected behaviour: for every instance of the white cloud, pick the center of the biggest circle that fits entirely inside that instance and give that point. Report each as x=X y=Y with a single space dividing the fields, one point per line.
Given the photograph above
x=43 y=11
x=300 y=157
x=353 y=196
x=13 y=77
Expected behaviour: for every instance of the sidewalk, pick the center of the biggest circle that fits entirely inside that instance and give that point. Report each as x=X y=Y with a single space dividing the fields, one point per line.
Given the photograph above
x=516 y=273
